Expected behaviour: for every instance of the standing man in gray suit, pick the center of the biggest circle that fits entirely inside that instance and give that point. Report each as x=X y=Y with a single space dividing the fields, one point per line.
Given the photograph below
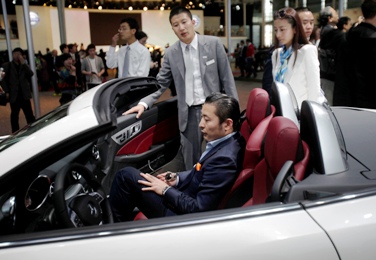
x=199 y=66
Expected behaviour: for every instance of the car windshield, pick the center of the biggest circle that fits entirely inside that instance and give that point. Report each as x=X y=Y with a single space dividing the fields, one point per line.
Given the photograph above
x=40 y=123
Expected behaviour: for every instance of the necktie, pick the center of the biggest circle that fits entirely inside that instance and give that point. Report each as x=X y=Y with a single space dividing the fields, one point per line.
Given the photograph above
x=188 y=76
x=126 y=63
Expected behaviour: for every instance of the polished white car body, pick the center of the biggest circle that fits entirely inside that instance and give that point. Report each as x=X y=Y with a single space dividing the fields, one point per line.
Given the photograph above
x=328 y=215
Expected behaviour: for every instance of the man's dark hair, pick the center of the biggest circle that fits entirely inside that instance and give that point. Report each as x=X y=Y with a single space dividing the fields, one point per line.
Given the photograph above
x=63 y=46
x=342 y=21
x=226 y=107
x=65 y=56
x=178 y=10
x=70 y=46
x=90 y=46
x=369 y=9
x=140 y=35
x=18 y=49
x=302 y=9
x=133 y=24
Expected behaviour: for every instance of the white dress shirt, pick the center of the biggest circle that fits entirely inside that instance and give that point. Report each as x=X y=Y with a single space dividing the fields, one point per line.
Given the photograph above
x=198 y=91
x=139 y=59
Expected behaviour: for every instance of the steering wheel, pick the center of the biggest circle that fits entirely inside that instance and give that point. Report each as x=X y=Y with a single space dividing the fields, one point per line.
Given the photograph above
x=77 y=207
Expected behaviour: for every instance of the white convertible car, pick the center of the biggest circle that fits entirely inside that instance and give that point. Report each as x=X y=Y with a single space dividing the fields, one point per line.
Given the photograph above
x=307 y=190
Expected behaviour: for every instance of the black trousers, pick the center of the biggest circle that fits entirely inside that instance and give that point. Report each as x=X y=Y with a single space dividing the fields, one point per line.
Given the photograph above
x=15 y=108
x=126 y=194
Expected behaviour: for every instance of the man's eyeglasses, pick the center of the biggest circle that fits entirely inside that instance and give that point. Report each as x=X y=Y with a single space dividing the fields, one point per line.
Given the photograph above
x=122 y=29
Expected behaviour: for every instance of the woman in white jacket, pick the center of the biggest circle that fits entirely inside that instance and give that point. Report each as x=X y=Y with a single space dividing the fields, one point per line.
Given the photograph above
x=295 y=62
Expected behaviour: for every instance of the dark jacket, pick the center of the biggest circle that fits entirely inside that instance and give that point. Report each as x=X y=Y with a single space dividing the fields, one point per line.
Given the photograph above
x=331 y=40
x=357 y=87
x=15 y=81
x=202 y=188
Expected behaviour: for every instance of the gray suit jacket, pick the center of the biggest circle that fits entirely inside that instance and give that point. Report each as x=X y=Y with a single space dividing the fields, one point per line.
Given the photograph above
x=215 y=70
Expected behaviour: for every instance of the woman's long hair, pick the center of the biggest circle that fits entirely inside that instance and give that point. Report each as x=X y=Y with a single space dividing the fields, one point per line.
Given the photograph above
x=292 y=18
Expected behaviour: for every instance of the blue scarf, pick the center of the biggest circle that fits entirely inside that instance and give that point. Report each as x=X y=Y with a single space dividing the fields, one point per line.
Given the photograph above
x=284 y=57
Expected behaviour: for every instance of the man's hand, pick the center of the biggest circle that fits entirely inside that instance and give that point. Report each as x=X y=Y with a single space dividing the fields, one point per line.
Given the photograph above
x=139 y=109
x=152 y=183
x=21 y=59
x=72 y=70
x=115 y=40
x=162 y=178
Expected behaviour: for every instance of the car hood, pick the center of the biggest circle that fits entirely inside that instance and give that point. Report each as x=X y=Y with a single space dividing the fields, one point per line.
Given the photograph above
x=80 y=118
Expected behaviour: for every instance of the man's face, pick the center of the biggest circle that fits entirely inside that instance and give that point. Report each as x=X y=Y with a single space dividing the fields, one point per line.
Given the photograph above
x=184 y=27
x=143 y=40
x=347 y=26
x=16 y=56
x=54 y=53
x=74 y=49
x=308 y=22
x=91 y=52
x=334 y=18
x=125 y=32
x=210 y=127
x=68 y=62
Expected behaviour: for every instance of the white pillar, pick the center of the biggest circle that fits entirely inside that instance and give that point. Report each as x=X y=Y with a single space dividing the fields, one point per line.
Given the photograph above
x=228 y=25
x=7 y=31
x=30 y=49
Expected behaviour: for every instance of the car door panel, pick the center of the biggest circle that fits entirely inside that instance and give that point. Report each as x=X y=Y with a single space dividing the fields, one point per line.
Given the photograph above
x=350 y=224
x=264 y=233
x=147 y=143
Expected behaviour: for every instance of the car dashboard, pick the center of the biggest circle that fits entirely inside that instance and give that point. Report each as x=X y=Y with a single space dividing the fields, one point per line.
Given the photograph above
x=30 y=205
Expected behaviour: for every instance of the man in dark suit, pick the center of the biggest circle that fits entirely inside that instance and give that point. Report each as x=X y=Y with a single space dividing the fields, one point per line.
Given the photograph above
x=199 y=66
x=16 y=84
x=355 y=80
x=199 y=189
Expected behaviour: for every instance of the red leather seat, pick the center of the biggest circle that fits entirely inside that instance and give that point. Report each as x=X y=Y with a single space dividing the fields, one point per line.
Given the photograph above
x=258 y=108
x=282 y=143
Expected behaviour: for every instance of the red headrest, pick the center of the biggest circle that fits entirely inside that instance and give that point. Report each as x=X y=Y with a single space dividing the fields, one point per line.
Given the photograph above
x=282 y=142
x=258 y=107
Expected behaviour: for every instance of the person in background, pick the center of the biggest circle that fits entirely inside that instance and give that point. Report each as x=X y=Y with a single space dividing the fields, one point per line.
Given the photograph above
x=199 y=66
x=67 y=79
x=199 y=189
x=142 y=38
x=16 y=85
x=295 y=62
x=92 y=67
x=77 y=63
x=356 y=85
x=344 y=24
x=133 y=59
x=250 y=59
x=307 y=19
x=330 y=40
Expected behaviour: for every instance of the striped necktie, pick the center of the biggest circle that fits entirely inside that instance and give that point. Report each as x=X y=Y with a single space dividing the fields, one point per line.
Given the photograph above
x=126 y=63
x=188 y=76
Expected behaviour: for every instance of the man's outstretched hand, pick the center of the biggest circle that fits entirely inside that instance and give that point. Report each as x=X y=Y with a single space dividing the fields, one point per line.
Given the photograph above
x=139 y=109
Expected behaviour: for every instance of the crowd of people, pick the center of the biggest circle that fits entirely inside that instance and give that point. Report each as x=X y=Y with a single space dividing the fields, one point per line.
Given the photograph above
x=323 y=63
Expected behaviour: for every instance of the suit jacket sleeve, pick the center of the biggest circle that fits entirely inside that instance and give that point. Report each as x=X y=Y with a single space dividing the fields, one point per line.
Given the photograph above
x=217 y=177
x=164 y=78
x=225 y=72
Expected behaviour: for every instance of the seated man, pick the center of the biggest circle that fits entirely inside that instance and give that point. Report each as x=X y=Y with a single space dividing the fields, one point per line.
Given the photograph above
x=197 y=190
